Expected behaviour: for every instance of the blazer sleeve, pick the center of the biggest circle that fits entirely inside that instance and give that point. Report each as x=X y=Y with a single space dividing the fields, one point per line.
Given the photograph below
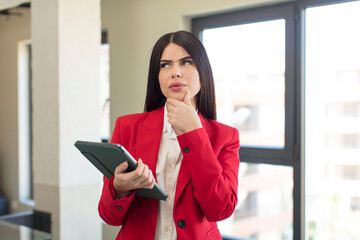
x=113 y=211
x=213 y=169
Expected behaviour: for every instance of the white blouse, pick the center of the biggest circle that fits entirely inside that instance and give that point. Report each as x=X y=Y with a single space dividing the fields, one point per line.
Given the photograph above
x=167 y=171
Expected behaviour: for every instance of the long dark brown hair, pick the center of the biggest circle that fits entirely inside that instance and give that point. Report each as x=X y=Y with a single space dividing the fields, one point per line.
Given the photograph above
x=205 y=99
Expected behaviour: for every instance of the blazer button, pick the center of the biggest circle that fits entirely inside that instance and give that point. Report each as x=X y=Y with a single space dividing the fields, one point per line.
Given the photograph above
x=120 y=208
x=186 y=149
x=181 y=223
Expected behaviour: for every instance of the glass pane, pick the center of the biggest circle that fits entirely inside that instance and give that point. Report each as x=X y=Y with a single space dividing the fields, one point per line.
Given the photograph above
x=332 y=124
x=265 y=204
x=248 y=62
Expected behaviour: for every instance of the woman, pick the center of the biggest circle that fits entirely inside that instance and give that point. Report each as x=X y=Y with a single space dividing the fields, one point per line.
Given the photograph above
x=194 y=158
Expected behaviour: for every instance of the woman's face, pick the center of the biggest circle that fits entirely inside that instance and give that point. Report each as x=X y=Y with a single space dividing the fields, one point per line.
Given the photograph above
x=178 y=74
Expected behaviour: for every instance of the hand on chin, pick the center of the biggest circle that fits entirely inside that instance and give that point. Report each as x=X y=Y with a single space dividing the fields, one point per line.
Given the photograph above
x=182 y=115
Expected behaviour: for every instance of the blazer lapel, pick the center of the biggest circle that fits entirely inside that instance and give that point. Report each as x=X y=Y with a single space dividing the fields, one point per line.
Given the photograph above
x=149 y=137
x=184 y=175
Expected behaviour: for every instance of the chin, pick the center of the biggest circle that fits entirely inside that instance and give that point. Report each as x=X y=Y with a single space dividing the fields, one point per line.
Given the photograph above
x=178 y=96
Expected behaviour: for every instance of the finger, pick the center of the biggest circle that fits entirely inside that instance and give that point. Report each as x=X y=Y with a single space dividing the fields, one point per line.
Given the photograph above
x=138 y=171
x=170 y=115
x=145 y=173
x=121 y=168
x=149 y=185
x=148 y=182
x=187 y=98
x=152 y=183
x=172 y=102
x=171 y=106
x=169 y=102
x=144 y=179
x=170 y=120
x=152 y=180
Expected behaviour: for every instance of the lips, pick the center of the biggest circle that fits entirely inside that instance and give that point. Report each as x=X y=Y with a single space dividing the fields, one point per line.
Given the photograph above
x=177 y=86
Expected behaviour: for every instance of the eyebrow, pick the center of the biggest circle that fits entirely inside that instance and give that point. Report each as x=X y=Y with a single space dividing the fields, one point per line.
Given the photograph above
x=181 y=59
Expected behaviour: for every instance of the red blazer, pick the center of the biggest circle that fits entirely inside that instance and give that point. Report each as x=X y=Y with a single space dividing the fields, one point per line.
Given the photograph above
x=206 y=189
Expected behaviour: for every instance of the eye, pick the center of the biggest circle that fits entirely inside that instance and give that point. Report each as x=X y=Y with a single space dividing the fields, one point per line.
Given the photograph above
x=164 y=65
x=187 y=62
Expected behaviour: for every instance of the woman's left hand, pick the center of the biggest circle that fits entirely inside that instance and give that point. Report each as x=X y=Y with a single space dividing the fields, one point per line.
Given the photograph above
x=182 y=115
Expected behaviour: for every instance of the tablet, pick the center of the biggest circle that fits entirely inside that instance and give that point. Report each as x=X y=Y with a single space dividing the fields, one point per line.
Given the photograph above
x=107 y=156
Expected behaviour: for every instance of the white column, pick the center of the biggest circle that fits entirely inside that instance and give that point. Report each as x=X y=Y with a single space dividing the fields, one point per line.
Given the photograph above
x=66 y=45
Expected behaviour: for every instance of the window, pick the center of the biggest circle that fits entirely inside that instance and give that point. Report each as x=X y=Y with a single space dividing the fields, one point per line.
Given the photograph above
x=104 y=88
x=25 y=123
x=332 y=129
x=264 y=209
x=249 y=78
x=287 y=76
x=254 y=81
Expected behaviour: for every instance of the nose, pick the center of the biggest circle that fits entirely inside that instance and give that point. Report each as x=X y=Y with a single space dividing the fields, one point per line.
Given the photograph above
x=176 y=73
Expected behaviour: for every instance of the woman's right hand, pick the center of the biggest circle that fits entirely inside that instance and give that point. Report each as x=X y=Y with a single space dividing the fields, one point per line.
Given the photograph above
x=124 y=182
